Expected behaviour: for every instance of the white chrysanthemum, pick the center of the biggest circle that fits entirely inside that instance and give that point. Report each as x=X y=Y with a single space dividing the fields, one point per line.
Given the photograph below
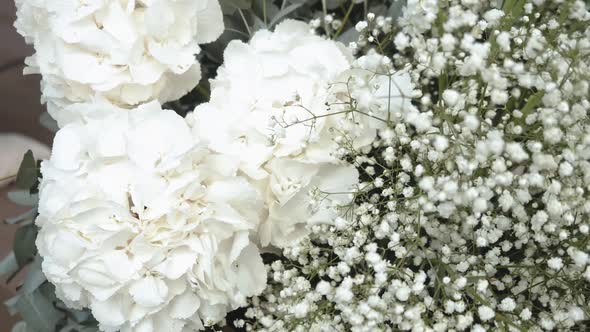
x=129 y=52
x=268 y=111
x=143 y=226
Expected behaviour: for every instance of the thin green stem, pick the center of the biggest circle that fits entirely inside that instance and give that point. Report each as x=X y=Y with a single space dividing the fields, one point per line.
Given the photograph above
x=245 y=22
x=344 y=20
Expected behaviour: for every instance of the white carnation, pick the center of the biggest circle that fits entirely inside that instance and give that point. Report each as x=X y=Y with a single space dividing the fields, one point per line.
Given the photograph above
x=145 y=226
x=379 y=95
x=268 y=111
x=129 y=52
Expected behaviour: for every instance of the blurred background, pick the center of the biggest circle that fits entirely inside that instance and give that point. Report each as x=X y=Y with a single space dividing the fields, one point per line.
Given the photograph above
x=20 y=109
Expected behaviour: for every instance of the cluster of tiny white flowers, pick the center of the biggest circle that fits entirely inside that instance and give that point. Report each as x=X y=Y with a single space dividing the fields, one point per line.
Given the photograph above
x=474 y=213
x=374 y=31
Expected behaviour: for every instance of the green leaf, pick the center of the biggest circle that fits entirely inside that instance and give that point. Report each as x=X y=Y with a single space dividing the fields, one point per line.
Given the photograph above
x=395 y=10
x=265 y=10
x=80 y=316
x=38 y=312
x=26 y=178
x=518 y=8
x=349 y=36
x=507 y=5
x=233 y=30
x=532 y=102
x=10 y=304
x=230 y=6
x=8 y=265
x=20 y=327
x=27 y=217
x=34 y=277
x=24 y=244
x=284 y=12
x=48 y=122
x=309 y=2
x=23 y=197
x=257 y=23
x=334 y=4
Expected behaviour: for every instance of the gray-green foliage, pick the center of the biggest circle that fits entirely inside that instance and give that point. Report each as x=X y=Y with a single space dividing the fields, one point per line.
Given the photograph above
x=35 y=302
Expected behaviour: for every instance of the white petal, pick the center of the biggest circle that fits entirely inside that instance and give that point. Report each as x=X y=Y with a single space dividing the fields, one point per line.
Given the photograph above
x=184 y=305
x=110 y=313
x=67 y=148
x=251 y=272
x=149 y=291
x=177 y=263
x=209 y=22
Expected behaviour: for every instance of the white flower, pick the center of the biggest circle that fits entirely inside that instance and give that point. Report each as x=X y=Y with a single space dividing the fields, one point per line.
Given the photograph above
x=129 y=52
x=493 y=16
x=379 y=94
x=316 y=193
x=485 y=312
x=507 y=304
x=555 y=263
x=360 y=26
x=418 y=15
x=451 y=97
x=143 y=225
x=268 y=112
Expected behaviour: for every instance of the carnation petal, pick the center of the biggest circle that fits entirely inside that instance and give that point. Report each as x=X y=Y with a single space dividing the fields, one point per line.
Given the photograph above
x=184 y=305
x=149 y=291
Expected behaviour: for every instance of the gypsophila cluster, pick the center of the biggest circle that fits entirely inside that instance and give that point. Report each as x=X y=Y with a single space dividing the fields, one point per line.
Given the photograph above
x=474 y=208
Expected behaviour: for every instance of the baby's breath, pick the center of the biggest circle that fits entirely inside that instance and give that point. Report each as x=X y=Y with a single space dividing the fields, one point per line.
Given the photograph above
x=473 y=209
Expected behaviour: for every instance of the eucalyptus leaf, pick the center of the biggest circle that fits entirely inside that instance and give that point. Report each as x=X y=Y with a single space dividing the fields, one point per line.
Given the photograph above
x=70 y=327
x=379 y=9
x=257 y=23
x=309 y=2
x=48 y=290
x=284 y=12
x=8 y=265
x=48 y=122
x=230 y=6
x=27 y=174
x=10 y=304
x=24 y=244
x=350 y=35
x=38 y=312
x=23 y=197
x=395 y=10
x=20 y=327
x=75 y=327
x=234 y=29
x=333 y=4
x=89 y=329
x=27 y=217
x=34 y=277
x=80 y=316
x=264 y=8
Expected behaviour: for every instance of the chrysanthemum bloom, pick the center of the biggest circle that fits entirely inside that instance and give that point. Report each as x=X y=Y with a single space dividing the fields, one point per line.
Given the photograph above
x=144 y=226
x=268 y=110
x=129 y=52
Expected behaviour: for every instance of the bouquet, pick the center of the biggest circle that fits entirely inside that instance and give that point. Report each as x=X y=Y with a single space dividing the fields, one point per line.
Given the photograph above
x=307 y=165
